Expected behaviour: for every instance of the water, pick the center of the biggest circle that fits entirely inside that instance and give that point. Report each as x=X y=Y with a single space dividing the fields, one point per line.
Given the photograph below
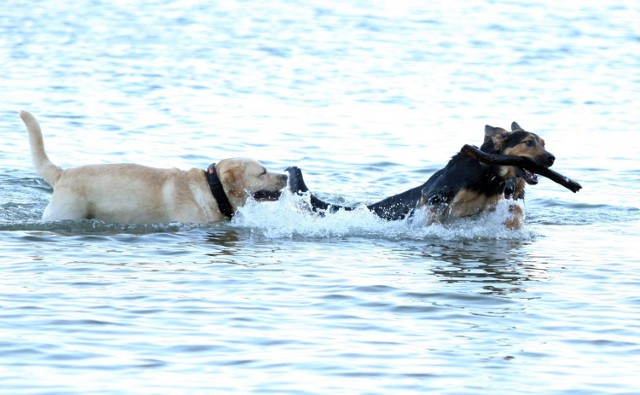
x=368 y=100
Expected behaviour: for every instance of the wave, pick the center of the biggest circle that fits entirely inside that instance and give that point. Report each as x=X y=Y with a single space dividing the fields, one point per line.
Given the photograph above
x=76 y=227
x=559 y=212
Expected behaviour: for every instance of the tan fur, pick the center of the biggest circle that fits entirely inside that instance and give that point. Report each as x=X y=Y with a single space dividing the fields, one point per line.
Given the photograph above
x=497 y=134
x=516 y=217
x=464 y=204
x=535 y=151
x=136 y=194
x=467 y=203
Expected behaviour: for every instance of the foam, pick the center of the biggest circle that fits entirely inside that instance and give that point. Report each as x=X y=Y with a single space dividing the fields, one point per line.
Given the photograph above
x=290 y=217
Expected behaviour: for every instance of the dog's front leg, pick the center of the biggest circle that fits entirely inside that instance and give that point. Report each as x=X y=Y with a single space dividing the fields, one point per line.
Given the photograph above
x=516 y=217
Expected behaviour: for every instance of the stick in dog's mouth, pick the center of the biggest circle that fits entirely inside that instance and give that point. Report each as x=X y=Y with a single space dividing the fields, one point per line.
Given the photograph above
x=523 y=163
x=529 y=177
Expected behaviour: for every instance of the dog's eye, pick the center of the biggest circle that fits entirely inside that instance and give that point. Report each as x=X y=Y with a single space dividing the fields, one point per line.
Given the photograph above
x=529 y=143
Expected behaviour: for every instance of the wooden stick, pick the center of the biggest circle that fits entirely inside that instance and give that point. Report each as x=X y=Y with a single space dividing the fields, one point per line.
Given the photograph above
x=522 y=162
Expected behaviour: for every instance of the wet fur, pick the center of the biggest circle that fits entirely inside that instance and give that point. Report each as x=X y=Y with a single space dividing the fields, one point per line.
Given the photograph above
x=136 y=194
x=464 y=187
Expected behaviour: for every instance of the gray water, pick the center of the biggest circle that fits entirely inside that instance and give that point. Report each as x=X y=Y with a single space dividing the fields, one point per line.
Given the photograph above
x=369 y=100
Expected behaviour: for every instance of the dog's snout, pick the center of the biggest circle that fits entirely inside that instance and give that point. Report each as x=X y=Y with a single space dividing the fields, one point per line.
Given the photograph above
x=283 y=180
x=549 y=159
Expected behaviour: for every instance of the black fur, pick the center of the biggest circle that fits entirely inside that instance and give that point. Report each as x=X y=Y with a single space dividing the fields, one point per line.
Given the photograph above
x=392 y=208
x=477 y=185
x=515 y=138
x=461 y=173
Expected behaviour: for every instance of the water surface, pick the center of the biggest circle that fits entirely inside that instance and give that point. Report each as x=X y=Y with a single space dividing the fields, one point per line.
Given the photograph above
x=369 y=100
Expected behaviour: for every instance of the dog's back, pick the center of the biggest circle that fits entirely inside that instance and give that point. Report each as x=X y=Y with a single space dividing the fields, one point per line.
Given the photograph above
x=130 y=193
x=462 y=188
x=466 y=186
x=124 y=193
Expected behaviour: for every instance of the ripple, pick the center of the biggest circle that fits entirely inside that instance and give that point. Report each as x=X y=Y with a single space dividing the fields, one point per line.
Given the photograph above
x=576 y=213
x=371 y=99
x=39 y=229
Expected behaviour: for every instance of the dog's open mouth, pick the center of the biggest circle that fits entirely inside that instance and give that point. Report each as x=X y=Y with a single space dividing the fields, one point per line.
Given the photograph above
x=529 y=177
x=268 y=196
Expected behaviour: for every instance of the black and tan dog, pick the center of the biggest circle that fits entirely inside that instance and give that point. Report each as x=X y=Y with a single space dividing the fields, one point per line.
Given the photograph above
x=464 y=187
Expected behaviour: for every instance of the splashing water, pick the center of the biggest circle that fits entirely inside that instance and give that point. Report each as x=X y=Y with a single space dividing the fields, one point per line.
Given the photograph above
x=290 y=217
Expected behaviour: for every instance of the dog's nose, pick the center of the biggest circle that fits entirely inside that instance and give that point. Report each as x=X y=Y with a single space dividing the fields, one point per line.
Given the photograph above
x=284 y=180
x=550 y=159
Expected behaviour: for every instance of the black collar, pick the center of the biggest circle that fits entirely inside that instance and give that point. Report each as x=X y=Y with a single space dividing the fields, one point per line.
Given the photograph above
x=218 y=192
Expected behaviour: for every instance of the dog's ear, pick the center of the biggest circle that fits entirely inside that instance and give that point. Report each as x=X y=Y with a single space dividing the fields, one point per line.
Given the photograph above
x=232 y=179
x=515 y=127
x=495 y=135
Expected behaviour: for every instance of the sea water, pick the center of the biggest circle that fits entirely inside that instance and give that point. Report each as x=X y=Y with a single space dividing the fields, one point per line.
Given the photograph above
x=369 y=100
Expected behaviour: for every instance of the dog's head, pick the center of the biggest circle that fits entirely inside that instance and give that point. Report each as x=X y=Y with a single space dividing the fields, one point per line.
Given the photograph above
x=517 y=142
x=243 y=177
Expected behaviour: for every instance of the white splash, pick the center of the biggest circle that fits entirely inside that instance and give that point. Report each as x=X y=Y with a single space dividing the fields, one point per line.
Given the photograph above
x=291 y=217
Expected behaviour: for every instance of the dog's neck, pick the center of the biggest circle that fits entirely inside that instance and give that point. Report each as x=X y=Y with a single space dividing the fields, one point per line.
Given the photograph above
x=224 y=205
x=514 y=185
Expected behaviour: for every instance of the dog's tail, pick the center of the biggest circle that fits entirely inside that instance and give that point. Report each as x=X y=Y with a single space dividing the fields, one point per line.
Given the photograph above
x=46 y=169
